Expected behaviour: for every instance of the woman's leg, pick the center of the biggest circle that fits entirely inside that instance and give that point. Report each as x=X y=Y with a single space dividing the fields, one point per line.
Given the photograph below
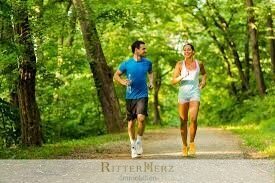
x=183 y=113
x=193 y=112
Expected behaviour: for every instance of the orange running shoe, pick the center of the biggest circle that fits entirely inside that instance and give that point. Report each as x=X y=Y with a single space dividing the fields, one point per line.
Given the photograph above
x=184 y=151
x=192 y=149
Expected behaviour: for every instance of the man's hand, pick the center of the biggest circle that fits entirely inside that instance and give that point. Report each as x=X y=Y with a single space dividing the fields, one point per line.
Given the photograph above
x=150 y=86
x=126 y=82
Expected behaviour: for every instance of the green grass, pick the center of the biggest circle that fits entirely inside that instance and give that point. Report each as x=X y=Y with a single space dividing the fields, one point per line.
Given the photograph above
x=260 y=137
x=68 y=147
x=63 y=148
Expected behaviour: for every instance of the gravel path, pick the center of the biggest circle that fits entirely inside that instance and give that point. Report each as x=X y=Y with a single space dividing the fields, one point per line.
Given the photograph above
x=220 y=157
x=212 y=143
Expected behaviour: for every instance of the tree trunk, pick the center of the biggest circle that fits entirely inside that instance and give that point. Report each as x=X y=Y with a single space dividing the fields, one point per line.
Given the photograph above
x=157 y=84
x=223 y=25
x=29 y=113
x=255 y=49
x=271 y=40
x=232 y=45
x=14 y=101
x=221 y=47
x=102 y=74
x=229 y=73
x=157 y=119
x=72 y=21
x=246 y=54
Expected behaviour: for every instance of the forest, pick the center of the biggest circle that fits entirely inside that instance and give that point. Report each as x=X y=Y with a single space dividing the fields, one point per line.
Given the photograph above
x=58 y=57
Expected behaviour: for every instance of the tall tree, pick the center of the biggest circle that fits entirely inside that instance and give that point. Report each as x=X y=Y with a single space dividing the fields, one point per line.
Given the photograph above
x=157 y=85
x=246 y=53
x=271 y=39
x=255 y=48
x=158 y=78
x=202 y=19
x=72 y=22
x=223 y=25
x=29 y=113
x=102 y=73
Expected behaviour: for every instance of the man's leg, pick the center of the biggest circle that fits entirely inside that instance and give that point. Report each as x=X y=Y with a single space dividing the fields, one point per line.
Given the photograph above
x=141 y=124
x=183 y=113
x=141 y=128
x=131 y=133
x=131 y=130
x=130 y=107
x=142 y=106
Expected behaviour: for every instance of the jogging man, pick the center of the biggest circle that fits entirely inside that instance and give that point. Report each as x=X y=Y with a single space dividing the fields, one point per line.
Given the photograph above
x=136 y=70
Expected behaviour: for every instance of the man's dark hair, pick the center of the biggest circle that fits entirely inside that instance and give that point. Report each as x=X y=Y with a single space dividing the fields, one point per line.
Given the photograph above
x=136 y=44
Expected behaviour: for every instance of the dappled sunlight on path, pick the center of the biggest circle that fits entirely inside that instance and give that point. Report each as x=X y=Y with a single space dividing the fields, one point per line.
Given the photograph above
x=211 y=143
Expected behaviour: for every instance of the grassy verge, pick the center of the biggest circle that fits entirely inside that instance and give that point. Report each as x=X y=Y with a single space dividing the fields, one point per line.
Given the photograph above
x=67 y=147
x=260 y=137
x=63 y=148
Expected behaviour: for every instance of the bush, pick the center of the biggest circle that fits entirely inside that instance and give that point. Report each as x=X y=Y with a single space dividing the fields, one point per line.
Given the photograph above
x=9 y=124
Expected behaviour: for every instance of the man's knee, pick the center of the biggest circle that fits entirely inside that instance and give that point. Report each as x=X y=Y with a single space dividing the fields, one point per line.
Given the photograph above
x=141 y=117
x=131 y=124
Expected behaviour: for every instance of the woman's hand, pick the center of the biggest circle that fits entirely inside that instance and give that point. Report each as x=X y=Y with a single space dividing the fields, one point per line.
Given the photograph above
x=184 y=76
x=202 y=85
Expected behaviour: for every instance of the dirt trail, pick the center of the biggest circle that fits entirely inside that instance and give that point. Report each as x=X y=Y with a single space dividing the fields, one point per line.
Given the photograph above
x=165 y=144
x=212 y=143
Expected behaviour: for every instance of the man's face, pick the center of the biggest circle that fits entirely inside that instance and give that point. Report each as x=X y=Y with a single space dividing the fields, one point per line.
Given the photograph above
x=141 y=51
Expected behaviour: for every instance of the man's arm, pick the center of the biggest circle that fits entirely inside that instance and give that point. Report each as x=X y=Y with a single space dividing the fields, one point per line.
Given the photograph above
x=117 y=77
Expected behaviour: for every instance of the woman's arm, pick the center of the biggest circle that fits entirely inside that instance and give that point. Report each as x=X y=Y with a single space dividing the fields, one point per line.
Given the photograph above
x=177 y=77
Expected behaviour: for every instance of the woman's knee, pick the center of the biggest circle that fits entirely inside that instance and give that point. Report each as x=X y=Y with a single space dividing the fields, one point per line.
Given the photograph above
x=193 y=120
x=183 y=123
x=183 y=117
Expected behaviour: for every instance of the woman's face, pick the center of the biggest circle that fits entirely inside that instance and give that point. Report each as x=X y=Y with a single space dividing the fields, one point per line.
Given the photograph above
x=187 y=51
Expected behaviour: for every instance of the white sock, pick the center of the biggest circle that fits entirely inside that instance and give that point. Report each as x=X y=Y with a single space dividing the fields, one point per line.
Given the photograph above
x=132 y=142
x=139 y=138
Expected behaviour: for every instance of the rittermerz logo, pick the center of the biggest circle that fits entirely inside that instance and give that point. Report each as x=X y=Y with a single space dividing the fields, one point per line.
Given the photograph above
x=145 y=167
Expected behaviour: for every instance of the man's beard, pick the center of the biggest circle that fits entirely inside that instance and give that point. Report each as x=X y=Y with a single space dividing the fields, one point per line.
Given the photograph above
x=143 y=55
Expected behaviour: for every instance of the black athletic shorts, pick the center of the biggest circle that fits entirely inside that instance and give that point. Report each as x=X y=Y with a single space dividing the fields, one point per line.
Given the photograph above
x=135 y=107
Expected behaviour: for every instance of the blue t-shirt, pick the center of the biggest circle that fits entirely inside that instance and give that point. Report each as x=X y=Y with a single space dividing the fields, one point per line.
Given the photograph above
x=136 y=71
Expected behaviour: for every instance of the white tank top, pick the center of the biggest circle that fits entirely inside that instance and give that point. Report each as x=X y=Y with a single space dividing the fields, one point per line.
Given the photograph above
x=189 y=85
x=190 y=74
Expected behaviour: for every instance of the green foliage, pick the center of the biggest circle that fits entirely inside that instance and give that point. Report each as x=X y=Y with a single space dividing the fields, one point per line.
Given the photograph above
x=227 y=109
x=9 y=125
x=65 y=117
x=260 y=137
x=65 y=91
